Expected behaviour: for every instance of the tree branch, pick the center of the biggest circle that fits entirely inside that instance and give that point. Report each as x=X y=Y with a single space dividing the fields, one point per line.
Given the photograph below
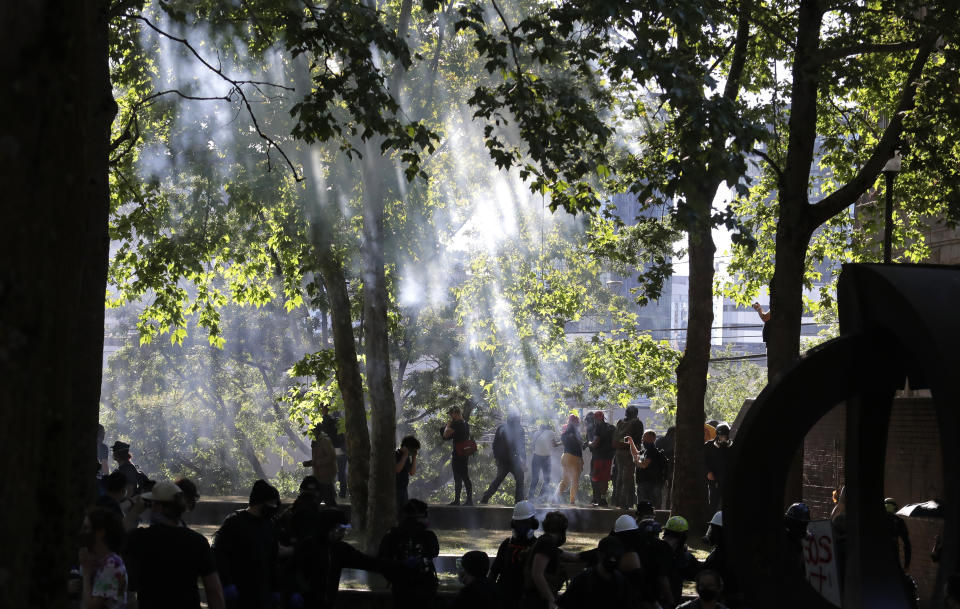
x=731 y=89
x=236 y=86
x=773 y=165
x=828 y=54
x=845 y=196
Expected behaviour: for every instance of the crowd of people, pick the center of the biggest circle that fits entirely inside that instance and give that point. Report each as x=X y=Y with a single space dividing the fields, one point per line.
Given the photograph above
x=637 y=461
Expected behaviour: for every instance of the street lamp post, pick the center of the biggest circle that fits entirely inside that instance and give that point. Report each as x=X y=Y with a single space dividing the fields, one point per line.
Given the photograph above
x=890 y=171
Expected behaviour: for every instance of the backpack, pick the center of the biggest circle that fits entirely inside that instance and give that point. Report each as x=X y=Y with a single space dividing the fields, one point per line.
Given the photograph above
x=511 y=578
x=501 y=447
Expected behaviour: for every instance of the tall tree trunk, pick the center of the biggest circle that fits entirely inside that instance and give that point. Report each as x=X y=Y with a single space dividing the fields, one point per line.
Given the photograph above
x=351 y=387
x=689 y=482
x=53 y=234
x=382 y=508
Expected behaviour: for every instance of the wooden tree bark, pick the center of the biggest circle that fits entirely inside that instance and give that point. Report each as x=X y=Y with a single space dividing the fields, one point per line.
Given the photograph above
x=689 y=482
x=53 y=242
x=382 y=508
x=351 y=387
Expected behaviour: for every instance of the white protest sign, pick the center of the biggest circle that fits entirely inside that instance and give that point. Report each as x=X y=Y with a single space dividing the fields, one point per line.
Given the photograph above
x=820 y=560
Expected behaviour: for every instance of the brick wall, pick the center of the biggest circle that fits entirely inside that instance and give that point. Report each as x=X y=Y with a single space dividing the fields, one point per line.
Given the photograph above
x=913 y=472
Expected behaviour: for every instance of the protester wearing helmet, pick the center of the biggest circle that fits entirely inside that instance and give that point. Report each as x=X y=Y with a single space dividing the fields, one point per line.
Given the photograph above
x=683 y=565
x=897 y=532
x=716 y=453
x=507 y=569
x=795 y=522
x=719 y=561
x=543 y=574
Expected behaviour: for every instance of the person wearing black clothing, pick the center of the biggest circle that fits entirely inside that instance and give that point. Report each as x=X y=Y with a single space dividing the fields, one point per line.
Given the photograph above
x=331 y=426
x=651 y=466
x=716 y=453
x=115 y=492
x=601 y=585
x=601 y=462
x=458 y=431
x=103 y=453
x=478 y=592
x=508 y=566
x=135 y=478
x=405 y=465
x=667 y=444
x=246 y=549
x=165 y=560
x=413 y=546
x=509 y=453
x=543 y=575
x=684 y=566
x=719 y=561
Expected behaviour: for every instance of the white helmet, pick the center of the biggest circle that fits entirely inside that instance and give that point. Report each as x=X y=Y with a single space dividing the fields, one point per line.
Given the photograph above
x=523 y=510
x=717 y=519
x=625 y=523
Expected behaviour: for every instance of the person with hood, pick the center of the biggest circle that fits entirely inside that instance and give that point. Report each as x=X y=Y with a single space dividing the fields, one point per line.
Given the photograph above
x=478 y=592
x=716 y=453
x=509 y=453
x=719 y=561
x=684 y=566
x=413 y=546
x=601 y=462
x=602 y=584
x=543 y=574
x=246 y=548
x=507 y=569
x=571 y=461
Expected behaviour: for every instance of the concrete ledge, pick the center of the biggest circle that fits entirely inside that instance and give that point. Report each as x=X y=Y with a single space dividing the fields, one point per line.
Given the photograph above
x=213 y=510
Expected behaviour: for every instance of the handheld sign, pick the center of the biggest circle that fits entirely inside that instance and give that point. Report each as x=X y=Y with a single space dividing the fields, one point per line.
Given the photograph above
x=820 y=560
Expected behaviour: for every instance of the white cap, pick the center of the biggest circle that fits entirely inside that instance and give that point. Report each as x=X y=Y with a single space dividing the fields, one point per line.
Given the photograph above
x=717 y=519
x=625 y=523
x=164 y=492
x=523 y=510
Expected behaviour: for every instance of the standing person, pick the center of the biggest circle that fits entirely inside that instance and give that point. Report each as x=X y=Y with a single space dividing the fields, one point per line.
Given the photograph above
x=477 y=592
x=165 y=560
x=405 y=465
x=508 y=566
x=543 y=574
x=103 y=453
x=716 y=453
x=103 y=571
x=764 y=317
x=630 y=427
x=651 y=467
x=191 y=494
x=571 y=461
x=544 y=441
x=684 y=566
x=720 y=562
x=331 y=426
x=509 y=453
x=898 y=532
x=413 y=546
x=667 y=444
x=246 y=549
x=458 y=432
x=602 y=451
x=135 y=478
x=114 y=497
x=324 y=464
x=795 y=522
x=709 y=590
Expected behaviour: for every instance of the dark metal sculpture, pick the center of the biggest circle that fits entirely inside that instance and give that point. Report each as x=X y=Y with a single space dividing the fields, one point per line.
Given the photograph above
x=897 y=322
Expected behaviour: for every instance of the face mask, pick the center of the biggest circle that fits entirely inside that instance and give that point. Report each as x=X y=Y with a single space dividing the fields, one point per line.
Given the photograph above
x=708 y=594
x=723 y=442
x=269 y=511
x=610 y=563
